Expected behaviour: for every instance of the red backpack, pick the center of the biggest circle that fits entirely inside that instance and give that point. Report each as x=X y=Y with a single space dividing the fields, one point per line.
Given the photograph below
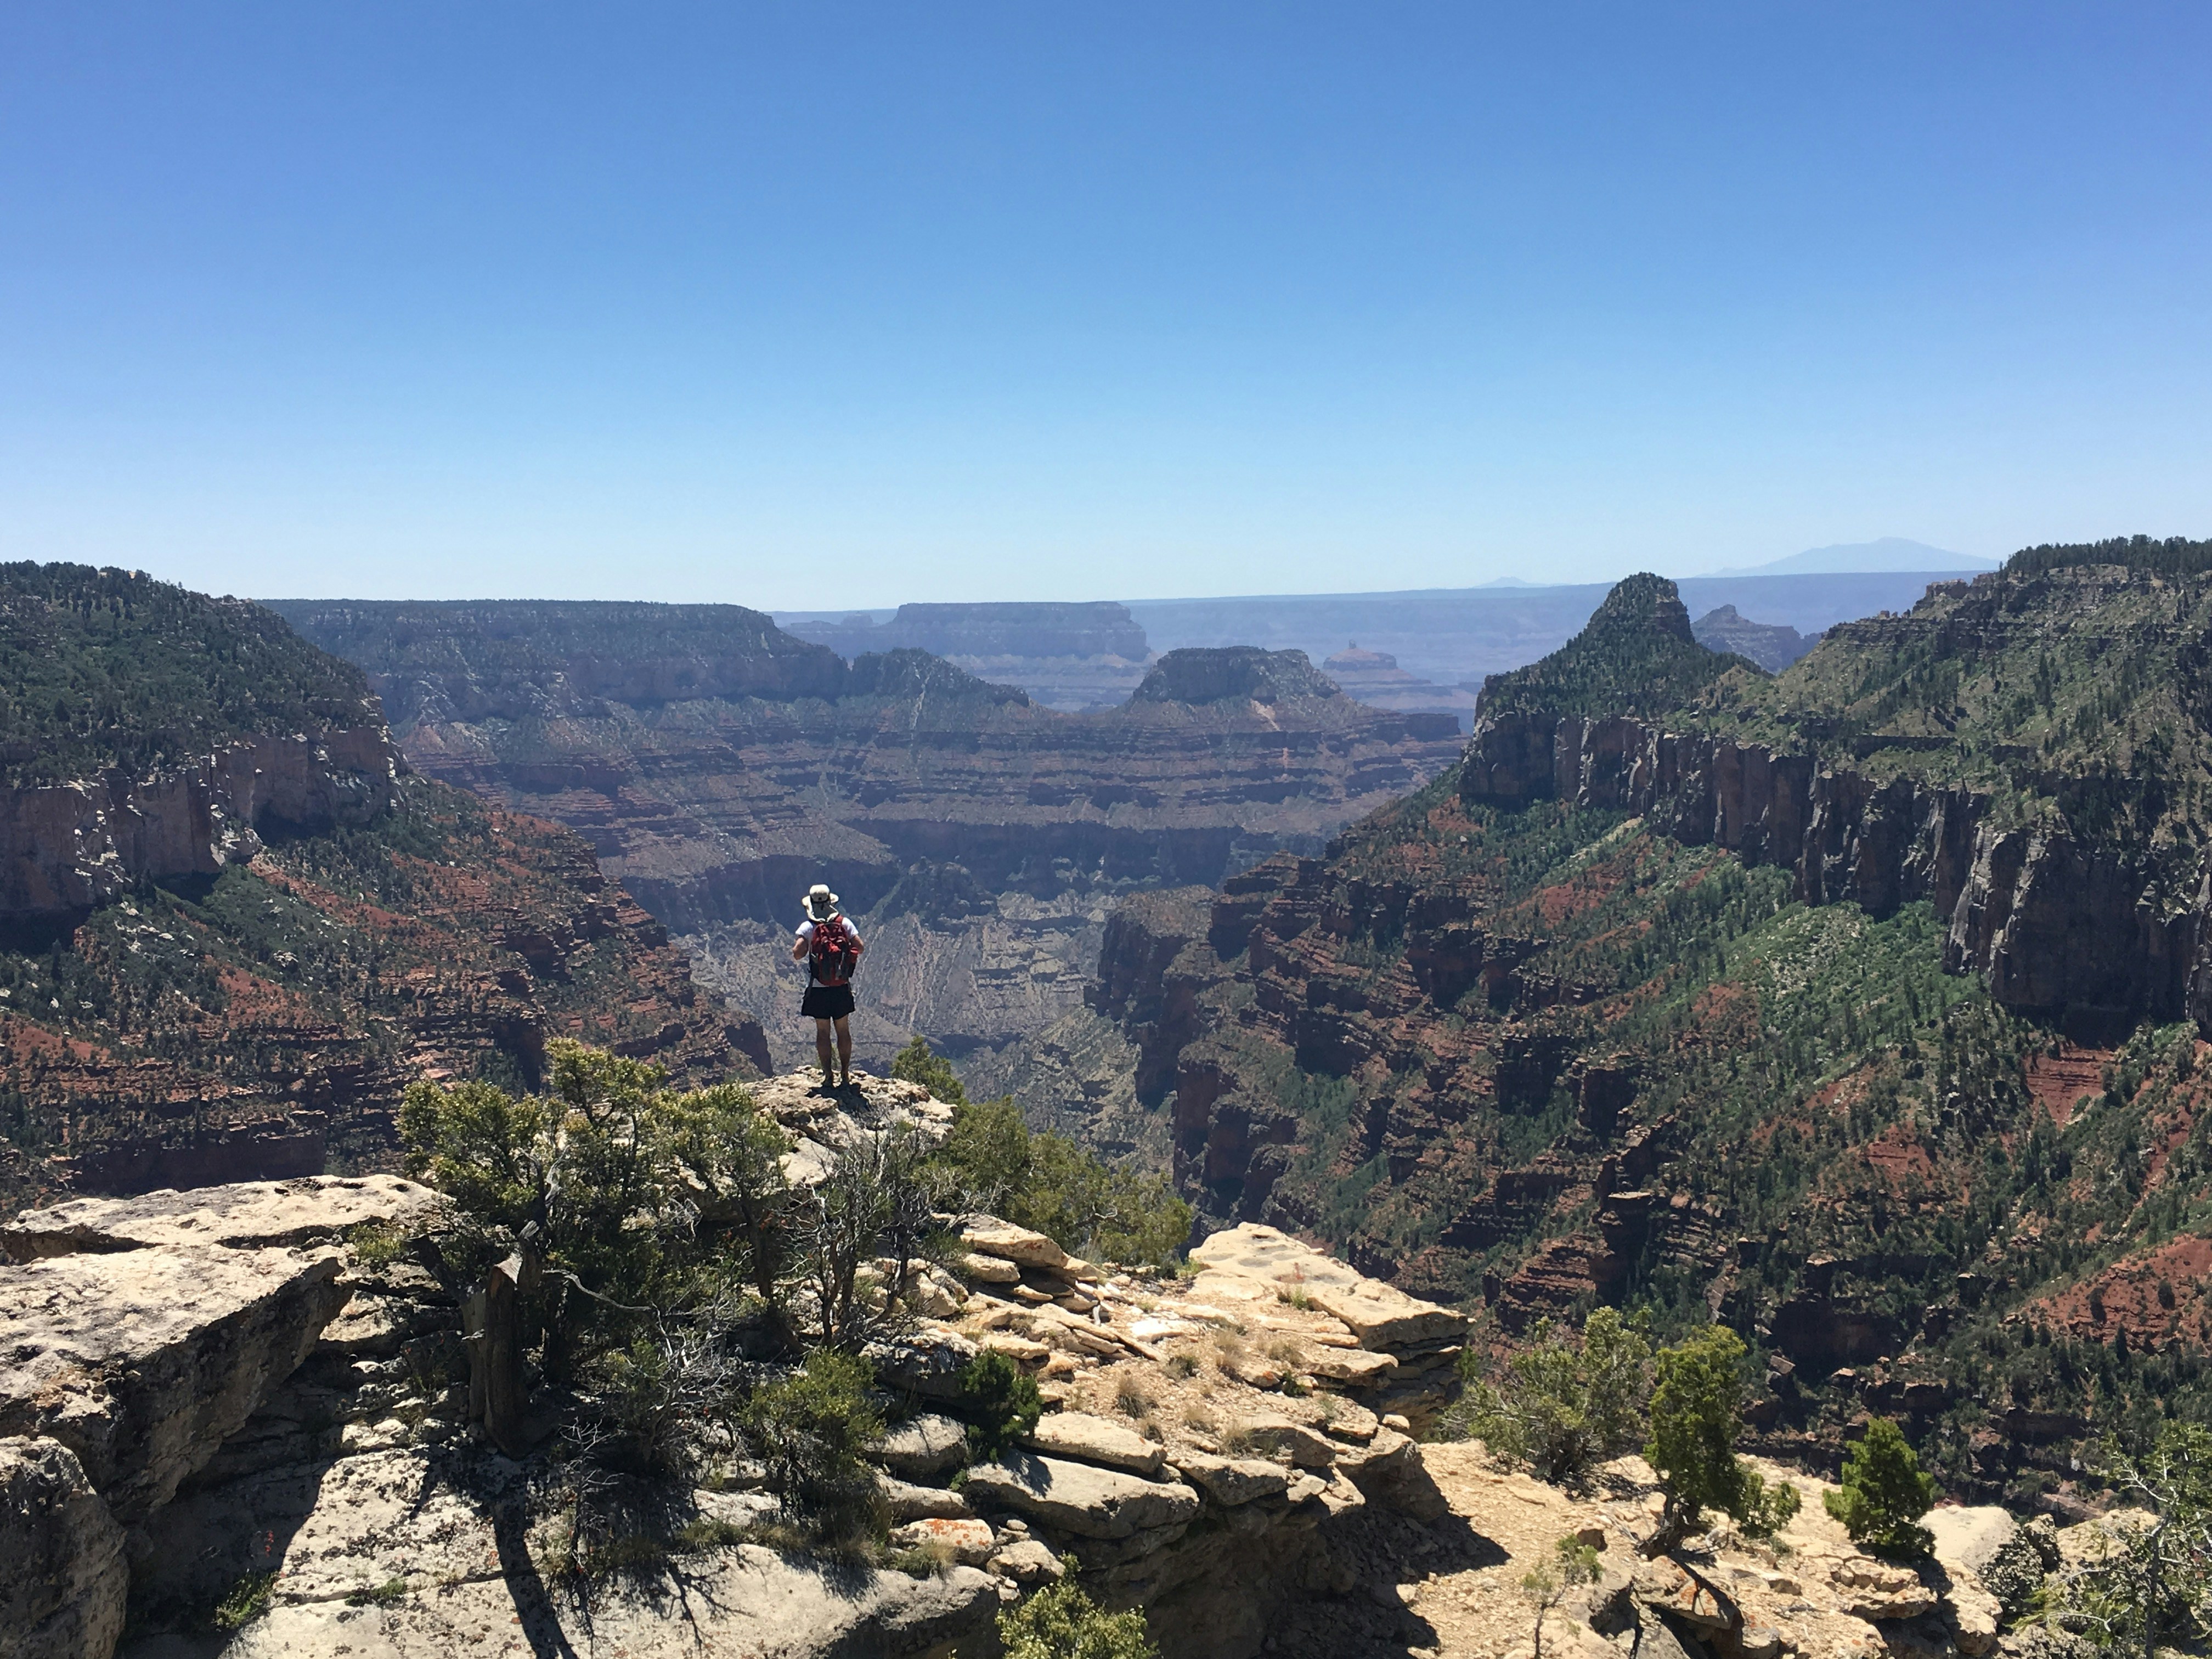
x=829 y=958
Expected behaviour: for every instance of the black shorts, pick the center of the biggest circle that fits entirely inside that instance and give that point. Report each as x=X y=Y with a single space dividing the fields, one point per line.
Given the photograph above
x=826 y=1002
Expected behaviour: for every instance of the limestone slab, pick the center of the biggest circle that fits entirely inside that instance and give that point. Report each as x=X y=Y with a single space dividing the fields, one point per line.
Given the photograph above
x=747 y=1601
x=1090 y=1439
x=923 y=1446
x=1383 y=1317
x=1076 y=1498
x=988 y=1236
x=1233 y=1480
x=142 y=1361
x=246 y=1215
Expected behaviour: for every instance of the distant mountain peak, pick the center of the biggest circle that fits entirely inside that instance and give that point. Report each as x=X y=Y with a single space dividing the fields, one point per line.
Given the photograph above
x=1886 y=553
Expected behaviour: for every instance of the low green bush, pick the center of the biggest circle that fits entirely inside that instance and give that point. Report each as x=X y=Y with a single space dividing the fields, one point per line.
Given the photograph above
x=998 y=1164
x=1561 y=1407
x=811 y=1431
x=1060 y=1622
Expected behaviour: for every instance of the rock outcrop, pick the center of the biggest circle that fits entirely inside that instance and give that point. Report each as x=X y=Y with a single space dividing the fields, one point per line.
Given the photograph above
x=2057 y=926
x=355 y=1510
x=69 y=847
x=63 y=1583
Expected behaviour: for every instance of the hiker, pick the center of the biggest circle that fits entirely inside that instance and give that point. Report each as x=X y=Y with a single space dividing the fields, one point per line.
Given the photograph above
x=831 y=949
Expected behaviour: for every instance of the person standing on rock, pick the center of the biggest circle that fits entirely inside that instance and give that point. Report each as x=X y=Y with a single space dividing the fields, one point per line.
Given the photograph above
x=830 y=948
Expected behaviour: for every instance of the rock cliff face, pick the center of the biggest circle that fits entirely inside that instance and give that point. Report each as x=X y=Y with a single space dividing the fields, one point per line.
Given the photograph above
x=263 y=1023
x=70 y=847
x=979 y=839
x=2060 y=928
x=1688 y=1005
x=224 y=951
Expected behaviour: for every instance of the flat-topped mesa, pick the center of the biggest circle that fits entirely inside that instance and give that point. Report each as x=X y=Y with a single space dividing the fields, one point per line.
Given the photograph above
x=1101 y=629
x=516 y=659
x=1234 y=673
x=1772 y=646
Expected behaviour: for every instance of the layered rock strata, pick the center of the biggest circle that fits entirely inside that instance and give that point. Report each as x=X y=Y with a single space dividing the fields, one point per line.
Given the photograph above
x=2056 y=925
x=979 y=838
x=72 y=847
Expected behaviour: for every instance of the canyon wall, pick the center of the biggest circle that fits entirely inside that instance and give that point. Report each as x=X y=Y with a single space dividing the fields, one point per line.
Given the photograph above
x=2060 y=928
x=72 y=846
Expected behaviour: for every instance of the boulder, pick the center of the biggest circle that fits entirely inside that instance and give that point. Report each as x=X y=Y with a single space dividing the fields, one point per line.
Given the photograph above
x=988 y=1236
x=923 y=1446
x=1304 y=1447
x=927 y=1361
x=1231 y=1482
x=65 y=1583
x=988 y=1270
x=1076 y=1498
x=142 y=1361
x=1968 y=1537
x=906 y=1502
x=1665 y=1586
x=1872 y=1589
x=968 y=1542
x=1027 y=1562
x=249 y=1215
x=1091 y=1439
x=1019 y=1349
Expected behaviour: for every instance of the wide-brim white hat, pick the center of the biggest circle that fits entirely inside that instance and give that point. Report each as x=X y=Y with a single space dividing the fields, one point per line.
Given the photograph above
x=817 y=896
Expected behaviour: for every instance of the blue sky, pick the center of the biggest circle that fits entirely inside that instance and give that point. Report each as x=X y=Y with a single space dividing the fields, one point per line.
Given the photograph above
x=803 y=306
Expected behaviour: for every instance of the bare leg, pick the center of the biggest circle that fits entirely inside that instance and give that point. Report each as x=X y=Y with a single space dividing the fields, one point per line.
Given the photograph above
x=844 y=1052
x=822 y=1048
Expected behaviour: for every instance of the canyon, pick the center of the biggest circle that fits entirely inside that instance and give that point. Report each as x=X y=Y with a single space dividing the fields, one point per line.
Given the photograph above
x=978 y=839
x=1667 y=994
